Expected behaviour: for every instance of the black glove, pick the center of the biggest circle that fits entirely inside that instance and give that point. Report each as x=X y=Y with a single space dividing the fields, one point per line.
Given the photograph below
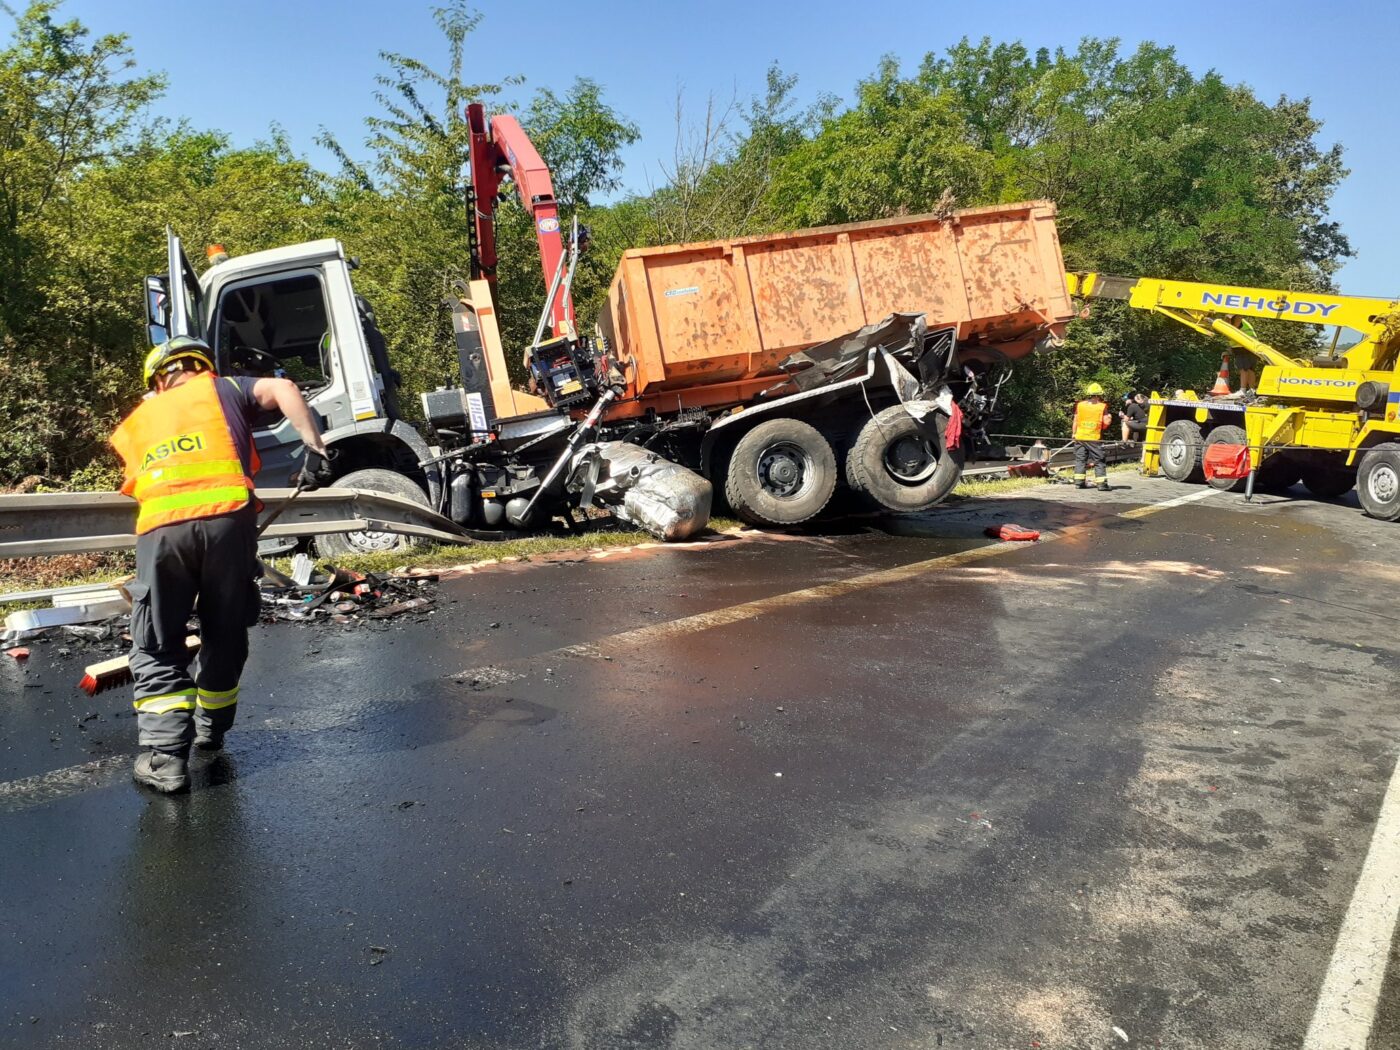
x=315 y=471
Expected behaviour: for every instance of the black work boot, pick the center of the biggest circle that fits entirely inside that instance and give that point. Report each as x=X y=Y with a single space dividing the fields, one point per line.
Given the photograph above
x=1103 y=486
x=162 y=771
x=207 y=738
x=1081 y=484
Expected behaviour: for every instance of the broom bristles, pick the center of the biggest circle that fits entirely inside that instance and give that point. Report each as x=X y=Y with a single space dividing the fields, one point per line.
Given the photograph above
x=108 y=674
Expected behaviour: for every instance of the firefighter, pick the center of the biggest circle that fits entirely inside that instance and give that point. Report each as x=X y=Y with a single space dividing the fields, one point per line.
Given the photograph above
x=189 y=459
x=1091 y=416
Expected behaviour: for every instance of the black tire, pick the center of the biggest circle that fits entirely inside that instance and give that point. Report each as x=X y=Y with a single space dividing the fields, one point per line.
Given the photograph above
x=1226 y=435
x=1179 y=454
x=1378 y=482
x=781 y=472
x=332 y=545
x=894 y=465
x=1278 y=474
x=1326 y=481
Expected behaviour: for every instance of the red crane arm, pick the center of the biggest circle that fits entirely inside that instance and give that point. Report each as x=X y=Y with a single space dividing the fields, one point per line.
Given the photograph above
x=499 y=151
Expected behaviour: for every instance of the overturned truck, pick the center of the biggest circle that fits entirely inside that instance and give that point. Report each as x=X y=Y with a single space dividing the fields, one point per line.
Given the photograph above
x=778 y=368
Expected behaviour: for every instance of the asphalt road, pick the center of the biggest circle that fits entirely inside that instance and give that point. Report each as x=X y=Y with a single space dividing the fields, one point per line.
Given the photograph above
x=869 y=788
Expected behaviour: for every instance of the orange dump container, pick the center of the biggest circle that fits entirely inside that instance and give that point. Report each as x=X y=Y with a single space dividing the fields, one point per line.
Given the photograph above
x=706 y=324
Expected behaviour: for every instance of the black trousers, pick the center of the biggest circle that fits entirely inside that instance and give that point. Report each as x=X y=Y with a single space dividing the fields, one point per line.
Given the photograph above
x=207 y=567
x=1090 y=452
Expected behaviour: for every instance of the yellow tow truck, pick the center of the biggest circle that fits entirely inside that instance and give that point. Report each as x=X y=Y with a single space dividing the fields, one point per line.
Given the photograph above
x=1332 y=421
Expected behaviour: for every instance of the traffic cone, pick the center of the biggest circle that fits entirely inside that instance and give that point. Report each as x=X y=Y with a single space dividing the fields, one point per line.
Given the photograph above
x=1222 y=378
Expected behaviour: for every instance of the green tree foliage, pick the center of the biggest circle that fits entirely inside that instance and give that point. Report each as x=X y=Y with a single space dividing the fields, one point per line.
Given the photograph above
x=65 y=102
x=403 y=215
x=85 y=194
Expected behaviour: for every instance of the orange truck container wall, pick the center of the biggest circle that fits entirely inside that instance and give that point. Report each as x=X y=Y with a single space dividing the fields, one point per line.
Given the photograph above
x=707 y=324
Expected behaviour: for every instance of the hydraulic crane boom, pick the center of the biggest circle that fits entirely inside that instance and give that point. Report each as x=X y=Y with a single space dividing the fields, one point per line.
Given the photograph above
x=1204 y=307
x=500 y=151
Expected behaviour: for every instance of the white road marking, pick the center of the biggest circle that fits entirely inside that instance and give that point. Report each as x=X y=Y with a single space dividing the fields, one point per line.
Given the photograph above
x=1167 y=504
x=1351 y=991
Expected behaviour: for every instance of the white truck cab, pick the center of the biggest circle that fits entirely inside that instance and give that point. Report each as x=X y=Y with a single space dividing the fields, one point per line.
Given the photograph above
x=292 y=312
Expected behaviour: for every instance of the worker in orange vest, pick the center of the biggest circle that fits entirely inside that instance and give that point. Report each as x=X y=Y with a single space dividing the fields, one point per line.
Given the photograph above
x=189 y=460
x=1091 y=416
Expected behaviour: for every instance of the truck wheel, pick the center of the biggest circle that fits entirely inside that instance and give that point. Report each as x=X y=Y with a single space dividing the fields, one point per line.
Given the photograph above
x=895 y=465
x=1180 y=451
x=1326 y=481
x=332 y=545
x=782 y=472
x=1378 y=482
x=1227 y=435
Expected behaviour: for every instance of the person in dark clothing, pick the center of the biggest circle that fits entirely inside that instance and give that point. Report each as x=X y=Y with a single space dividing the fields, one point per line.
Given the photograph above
x=1135 y=417
x=190 y=461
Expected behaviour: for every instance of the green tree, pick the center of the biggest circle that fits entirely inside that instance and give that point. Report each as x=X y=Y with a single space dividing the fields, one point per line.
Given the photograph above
x=112 y=235
x=67 y=103
x=900 y=149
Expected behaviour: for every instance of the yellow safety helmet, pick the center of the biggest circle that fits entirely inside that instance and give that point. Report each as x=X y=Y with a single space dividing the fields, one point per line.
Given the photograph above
x=168 y=357
x=1092 y=389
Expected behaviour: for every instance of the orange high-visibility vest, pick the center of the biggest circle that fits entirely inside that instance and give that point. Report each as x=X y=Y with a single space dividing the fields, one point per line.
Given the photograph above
x=179 y=457
x=1089 y=421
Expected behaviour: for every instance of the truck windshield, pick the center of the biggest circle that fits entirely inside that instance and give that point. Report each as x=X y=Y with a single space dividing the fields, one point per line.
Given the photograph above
x=274 y=326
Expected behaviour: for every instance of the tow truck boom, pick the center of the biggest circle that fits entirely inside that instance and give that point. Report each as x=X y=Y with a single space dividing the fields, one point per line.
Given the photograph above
x=1204 y=307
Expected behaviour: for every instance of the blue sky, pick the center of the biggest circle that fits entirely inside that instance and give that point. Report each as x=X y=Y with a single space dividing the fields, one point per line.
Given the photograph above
x=239 y=65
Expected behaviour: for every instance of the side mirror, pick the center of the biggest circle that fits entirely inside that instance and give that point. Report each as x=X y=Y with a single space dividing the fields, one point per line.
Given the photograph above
x=157 y=310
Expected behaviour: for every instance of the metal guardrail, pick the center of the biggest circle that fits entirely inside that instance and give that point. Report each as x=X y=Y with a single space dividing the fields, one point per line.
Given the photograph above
x=80 y=522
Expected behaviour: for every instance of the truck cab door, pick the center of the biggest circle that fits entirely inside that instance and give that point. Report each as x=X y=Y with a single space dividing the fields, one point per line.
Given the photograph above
x=186 y=299
x=174 y=301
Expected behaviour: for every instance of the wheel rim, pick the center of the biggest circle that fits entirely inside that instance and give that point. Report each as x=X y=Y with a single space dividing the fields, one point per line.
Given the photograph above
x=368 y=542
x=785 y=470
x=910 y=459
x=1174 y=451
x=1383 y=484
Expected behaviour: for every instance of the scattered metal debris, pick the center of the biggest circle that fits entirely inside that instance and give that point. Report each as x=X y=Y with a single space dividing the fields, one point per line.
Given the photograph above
x=26 y=623
x=302 y=567
x=342 y=596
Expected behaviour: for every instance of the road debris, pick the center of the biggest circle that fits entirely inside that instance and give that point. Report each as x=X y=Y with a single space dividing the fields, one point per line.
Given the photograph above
x=344 y=597
x=19 y=652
